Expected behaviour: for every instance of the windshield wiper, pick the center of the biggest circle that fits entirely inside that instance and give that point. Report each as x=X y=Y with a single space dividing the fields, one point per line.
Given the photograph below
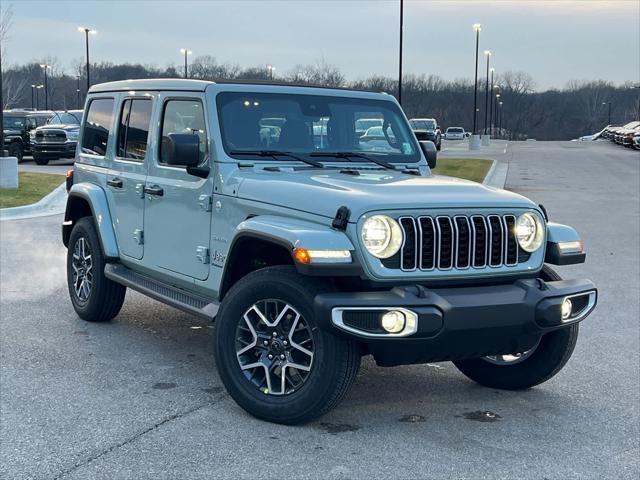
x=348 y=155
x=275 y=154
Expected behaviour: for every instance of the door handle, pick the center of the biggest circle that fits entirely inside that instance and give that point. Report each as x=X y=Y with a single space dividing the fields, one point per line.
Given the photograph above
x=154 y=190
x=115 y=182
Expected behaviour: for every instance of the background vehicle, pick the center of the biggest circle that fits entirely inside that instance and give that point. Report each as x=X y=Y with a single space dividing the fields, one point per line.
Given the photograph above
x=17 y=125
x=58 y=138
x=307 y=256
x=455 y=133
x=364 y=124
x=427 y=129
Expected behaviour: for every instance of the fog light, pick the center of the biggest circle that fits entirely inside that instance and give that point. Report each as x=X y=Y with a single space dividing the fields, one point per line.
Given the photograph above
x=567 y=306
x=393 y=321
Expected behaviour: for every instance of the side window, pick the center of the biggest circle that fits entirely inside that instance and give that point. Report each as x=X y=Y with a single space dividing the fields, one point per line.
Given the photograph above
x=96 y=129
x=133 y=129
x=184 y=116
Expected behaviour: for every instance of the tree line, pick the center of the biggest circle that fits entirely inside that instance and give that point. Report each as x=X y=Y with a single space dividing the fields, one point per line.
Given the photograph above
x=580 y=108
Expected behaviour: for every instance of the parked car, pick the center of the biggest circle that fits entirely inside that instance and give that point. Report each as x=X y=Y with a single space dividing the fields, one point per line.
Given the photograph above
x=364 y=124
x=17 y=124
x=58 y=138
x=636 y=140
x=427 y=129
x=455 y=133
x=309 y=258
x=626 y=135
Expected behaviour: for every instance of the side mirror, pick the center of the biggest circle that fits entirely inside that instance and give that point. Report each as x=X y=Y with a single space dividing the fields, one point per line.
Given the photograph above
x=181 y=149
x=430 y=152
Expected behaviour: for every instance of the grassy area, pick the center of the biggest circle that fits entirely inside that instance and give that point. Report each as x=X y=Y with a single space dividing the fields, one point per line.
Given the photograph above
x=32 y=187
x=470 y=168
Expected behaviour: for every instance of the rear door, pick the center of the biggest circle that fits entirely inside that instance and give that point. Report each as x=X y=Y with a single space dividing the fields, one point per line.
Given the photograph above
x=177 y=213
x=127 y=173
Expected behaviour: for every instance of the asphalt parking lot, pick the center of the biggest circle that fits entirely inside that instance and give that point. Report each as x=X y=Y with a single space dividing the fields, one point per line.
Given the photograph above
x=140 y=397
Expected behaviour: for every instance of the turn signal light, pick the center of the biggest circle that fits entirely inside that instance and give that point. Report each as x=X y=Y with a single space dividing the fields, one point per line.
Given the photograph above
x=302 y=255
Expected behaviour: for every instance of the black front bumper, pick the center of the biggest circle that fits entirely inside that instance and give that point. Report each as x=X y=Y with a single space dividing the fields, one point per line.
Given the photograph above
x=54 y=150
x=459 y=323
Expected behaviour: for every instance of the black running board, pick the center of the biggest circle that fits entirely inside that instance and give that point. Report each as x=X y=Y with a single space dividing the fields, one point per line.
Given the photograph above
x=163 y=292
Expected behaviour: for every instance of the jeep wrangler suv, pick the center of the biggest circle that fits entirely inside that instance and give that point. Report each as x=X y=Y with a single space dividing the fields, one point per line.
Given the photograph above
x=17 y=126
x=313 y=252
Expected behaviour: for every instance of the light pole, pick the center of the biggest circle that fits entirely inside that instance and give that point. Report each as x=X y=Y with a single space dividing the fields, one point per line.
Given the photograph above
x=270 y=69
x=185 y=52
x=492 y=70
x=33 y=97
x=400 y=53
x=87 y=31
x=78 y=90
x=487 y=53
x=609 y=103
x=500 y=118
x=45 y=67
x=495 y=114
x=477 y=28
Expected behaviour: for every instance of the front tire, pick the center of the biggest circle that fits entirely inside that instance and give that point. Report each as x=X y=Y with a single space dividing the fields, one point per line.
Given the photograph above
x=524 y=370
x=95 y=298
x=273 y=358
x=16 y=150
x=40 y=160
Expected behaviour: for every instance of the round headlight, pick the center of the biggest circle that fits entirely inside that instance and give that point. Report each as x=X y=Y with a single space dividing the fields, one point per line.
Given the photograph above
x=529 y=232
x=381 y=236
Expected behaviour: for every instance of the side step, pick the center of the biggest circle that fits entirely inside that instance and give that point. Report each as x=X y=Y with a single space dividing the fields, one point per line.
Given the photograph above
x=173 y=296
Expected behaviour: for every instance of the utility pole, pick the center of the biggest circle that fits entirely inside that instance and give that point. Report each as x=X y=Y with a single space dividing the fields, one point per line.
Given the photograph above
x=477 y=28
x=400 y=53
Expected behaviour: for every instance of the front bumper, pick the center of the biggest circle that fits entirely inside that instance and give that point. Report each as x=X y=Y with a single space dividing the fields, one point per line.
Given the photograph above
x=55 y=150
x=456 y=323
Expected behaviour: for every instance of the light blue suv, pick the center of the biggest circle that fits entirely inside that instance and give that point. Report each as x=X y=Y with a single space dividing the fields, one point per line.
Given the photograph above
x=260 y=207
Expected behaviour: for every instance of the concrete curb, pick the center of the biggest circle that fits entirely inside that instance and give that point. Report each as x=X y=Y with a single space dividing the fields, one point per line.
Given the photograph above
x=52 y=204
x=497 y=175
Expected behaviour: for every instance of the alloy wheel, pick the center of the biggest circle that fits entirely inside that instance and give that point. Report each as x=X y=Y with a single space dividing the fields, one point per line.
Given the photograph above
x=82 y=264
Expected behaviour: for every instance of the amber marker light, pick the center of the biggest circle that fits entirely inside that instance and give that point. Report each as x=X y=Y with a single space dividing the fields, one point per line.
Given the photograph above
x=302 y=255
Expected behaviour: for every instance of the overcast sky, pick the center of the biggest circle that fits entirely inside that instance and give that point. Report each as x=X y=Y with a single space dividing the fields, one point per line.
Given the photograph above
x=554 y=41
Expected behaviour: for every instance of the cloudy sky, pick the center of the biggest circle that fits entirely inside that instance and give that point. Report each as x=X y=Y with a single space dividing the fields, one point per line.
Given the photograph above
x=555 y=41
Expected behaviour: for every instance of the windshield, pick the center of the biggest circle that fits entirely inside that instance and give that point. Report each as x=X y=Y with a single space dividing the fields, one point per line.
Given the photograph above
x=423 y=124
x=13 y=123
x=66 y=118
x=312 y=124
x=454 y=130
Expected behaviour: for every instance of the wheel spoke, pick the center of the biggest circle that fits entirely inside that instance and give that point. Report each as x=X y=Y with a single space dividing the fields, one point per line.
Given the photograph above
x=254 y=342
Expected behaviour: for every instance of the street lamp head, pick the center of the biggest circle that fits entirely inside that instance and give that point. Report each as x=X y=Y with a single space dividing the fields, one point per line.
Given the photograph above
x=185 y=51
x=487 y=53
x=500 y=103
x=497 y=95
x=476 y=27
x=40 y=86
x=492 y=70
x=87 y=30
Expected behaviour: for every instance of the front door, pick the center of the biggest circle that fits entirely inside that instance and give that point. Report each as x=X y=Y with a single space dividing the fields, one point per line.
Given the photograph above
x=128 y=172
x=177 y=204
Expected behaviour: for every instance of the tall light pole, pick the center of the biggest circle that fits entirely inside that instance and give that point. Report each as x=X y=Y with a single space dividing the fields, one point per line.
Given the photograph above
x=477 y=28
x=500 y=118
x=185 y=52
x=78 y=91
x=270 y=69
x=487 y=54
x=87 y=31
x=492 y=70
x=33 y=97
x=400 y=53
x=45 y=67
x=496 y=113
x=609 y=103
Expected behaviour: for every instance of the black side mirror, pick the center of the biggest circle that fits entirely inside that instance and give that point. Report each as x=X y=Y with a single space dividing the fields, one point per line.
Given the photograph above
x=181 y=149
x=430 y=152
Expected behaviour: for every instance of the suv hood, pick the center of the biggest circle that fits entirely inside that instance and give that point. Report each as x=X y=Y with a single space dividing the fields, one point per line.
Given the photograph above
x=322 y=192
x=10 y=132
x=59 y=126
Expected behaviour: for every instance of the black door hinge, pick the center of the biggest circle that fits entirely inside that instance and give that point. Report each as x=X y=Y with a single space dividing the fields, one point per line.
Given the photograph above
x=341 y=219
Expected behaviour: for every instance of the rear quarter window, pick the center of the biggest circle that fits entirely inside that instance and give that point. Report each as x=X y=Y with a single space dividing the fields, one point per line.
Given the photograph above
x=97 y=128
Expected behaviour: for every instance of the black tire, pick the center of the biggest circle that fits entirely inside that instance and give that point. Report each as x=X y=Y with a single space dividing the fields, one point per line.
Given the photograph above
x=549 y=357
x=40 y=160
x=333 y=367
x=105 y=297
x=16 y=150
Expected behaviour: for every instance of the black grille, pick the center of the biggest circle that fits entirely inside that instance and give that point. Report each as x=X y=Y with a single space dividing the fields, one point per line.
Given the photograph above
x=365 y=320
x=457 y=242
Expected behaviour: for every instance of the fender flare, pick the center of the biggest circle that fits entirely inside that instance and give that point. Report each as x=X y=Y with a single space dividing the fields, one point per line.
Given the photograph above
x=558 y=233
x=96 y=198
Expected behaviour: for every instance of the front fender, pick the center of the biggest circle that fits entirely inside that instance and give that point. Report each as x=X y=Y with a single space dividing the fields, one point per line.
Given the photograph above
x=96 y=198
x=294 y=233
x=564 y=245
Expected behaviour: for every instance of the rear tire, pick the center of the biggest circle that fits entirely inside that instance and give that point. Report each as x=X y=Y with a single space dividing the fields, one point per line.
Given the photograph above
x=95 y=298
x=244 y=342
x=16 y=150
x=40 y=160
x=525 y=370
